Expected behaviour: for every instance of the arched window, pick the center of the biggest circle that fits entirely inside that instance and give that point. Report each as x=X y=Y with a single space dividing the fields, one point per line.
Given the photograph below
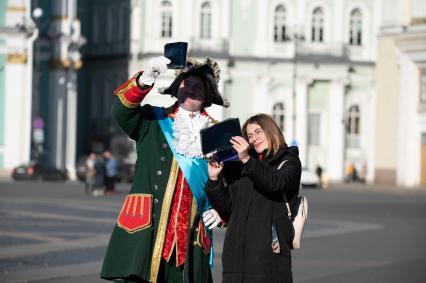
x=353 y=120
x=317 y=25
x=206 y=20
x=166 y=19
x=355 y=28
x=278 y=114
x=280 y=19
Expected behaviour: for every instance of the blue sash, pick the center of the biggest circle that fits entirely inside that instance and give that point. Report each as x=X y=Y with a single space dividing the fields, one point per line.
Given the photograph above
x=193 y=169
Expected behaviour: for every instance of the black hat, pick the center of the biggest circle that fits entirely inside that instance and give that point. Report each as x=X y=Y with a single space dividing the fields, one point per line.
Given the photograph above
x=208 y=72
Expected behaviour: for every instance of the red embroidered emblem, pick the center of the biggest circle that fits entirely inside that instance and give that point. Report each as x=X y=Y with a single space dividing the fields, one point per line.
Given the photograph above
x=136 y=213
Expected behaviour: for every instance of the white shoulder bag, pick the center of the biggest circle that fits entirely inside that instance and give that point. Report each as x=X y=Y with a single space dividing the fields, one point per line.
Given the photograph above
x=300 y=216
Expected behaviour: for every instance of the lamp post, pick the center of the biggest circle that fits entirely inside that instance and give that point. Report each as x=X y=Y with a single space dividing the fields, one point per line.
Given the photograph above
x=296 y=35
x=38 y=122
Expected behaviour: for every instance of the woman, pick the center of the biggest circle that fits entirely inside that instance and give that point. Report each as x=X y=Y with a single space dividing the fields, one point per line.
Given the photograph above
x=254 y=203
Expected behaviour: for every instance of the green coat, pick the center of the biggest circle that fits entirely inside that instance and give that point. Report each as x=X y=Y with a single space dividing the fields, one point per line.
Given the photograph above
x=137 y=254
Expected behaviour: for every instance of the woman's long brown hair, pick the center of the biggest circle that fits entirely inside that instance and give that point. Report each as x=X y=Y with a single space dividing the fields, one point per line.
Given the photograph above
x=272 y=132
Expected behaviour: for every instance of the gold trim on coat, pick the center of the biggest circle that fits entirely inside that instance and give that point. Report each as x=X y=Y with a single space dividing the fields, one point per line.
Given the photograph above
x=120 y=93
x=162 y=224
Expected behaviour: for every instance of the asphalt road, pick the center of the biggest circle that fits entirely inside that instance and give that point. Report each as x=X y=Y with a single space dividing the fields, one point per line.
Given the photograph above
x=52 y=232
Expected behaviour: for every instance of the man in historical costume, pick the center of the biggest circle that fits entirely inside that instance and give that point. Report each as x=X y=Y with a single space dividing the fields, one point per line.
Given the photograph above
x=159 y=235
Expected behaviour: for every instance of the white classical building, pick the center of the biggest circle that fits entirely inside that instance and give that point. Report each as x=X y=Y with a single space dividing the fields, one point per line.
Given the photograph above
x=344 y=79
x=400 y=112
x=309 y=64
x=17 y=34
x=26 y=87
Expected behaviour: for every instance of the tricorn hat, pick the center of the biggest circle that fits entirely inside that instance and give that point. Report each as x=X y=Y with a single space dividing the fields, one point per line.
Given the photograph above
x=209 y=72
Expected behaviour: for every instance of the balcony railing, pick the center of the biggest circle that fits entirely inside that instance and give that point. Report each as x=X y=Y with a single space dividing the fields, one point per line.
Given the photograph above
x=352 y=141
x=322 y=48
x=217 y=45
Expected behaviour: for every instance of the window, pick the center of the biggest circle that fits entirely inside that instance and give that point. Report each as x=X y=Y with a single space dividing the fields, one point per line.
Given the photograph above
x=280 y=18
x=423 y=86
x=110 y=24
x=355 y=25
x=124 y=24
x=166 y=19
x=206 y=20
x=96 y=26
x=353 y=120
x=352 y=127
x=317 y=25
x=278 y=114
x=314 y=124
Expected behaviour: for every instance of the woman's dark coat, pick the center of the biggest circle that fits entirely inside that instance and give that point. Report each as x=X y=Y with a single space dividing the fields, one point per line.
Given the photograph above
x=254 y=202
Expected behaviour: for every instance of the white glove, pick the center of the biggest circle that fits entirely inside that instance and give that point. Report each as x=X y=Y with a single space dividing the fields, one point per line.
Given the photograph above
x=153 y=69
x=211 y=218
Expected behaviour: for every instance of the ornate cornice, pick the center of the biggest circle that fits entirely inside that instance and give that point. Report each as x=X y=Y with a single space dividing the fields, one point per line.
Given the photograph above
x=65 y=64
x=418 y=21
x=16 y=9
x=16 y=58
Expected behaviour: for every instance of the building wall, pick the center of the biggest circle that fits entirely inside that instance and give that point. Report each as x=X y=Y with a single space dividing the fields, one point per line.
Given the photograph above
x=387 y=112
x=3 y=6
x=327 y=77
x=17 y=34
x=402 y=49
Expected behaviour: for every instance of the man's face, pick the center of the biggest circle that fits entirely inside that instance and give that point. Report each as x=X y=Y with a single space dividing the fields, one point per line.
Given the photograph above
x=191 y=94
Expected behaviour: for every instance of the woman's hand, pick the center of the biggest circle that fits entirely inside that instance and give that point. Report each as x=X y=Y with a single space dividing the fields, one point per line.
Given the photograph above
x=241 y=146
x=214 y=169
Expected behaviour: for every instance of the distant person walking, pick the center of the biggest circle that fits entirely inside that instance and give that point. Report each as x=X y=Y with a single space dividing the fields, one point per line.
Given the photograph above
x=364 y=172
x=110 y=172
x=98 y=186
x=350 y=172
x=318 y=171
x=90 y=173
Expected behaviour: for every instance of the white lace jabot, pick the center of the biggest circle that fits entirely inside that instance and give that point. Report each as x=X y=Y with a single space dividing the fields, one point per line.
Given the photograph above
x=186 y=131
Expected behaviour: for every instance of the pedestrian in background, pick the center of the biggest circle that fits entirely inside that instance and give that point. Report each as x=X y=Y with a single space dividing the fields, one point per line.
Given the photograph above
x=350 y=172
x=259 y=232
x=318 y=171
x=110 y=172
x=90 y=173
x=99 y=182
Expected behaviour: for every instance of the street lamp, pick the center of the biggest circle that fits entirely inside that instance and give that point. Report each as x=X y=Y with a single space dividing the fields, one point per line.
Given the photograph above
x=38 y=122
x=296 y=35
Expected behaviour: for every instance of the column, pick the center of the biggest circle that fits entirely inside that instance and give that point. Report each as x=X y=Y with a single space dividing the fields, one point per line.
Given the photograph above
x=18 y=82
x=336 y=144
x=301 y=135
x=63 y=85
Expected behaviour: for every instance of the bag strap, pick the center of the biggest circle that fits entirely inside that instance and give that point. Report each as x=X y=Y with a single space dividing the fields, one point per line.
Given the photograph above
x=285 y=198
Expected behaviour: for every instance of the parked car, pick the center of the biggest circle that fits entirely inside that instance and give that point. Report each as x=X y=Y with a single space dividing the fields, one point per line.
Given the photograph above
x=36 y=170
x=309 y=179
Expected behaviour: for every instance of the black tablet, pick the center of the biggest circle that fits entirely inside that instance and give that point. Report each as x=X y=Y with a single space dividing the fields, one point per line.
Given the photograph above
x=216 y=139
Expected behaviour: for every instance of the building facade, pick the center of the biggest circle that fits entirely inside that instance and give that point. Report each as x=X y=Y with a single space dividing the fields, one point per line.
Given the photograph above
x=330 y=72
x=17 y=34
x=400 y=114
x=310 y=64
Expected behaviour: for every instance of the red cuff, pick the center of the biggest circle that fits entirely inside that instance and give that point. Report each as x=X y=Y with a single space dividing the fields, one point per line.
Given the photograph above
x=130 y=94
